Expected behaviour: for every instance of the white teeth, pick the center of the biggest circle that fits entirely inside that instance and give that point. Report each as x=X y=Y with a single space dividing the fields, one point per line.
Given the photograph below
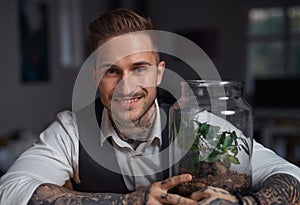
x=129 y=101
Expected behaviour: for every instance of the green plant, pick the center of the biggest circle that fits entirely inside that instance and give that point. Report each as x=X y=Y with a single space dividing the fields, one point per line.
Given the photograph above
x=212 y=144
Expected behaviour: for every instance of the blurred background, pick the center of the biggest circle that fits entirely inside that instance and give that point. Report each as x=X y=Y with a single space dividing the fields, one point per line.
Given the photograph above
x=44 y=44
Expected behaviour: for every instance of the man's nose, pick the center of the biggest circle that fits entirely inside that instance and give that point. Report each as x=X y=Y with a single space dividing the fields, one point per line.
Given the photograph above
x=127 y=85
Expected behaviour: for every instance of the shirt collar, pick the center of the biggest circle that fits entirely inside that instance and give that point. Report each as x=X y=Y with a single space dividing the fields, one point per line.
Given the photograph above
x=109 y=131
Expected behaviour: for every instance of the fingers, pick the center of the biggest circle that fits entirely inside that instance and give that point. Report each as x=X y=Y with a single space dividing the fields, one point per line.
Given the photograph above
x=199 y=195
x=210 y=194
x=159 y=191
x=170 y=183
x=176 y=199
x=174 y=181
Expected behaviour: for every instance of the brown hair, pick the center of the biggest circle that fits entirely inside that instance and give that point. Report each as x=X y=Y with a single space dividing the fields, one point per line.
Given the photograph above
x=116 y=22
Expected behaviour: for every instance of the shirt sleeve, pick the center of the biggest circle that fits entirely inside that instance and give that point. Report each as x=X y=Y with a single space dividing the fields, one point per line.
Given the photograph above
x=266 y=162
x=52 y=159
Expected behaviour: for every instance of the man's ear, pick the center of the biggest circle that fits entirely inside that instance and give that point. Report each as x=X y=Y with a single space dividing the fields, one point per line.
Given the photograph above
x=160 y=71
x=94 y=76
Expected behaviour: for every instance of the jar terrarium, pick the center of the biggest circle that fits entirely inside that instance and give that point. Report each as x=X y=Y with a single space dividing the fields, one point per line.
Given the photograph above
x=211 y=133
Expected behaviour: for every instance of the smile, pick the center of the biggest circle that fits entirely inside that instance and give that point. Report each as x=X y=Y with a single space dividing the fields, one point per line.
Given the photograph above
x=128 y=102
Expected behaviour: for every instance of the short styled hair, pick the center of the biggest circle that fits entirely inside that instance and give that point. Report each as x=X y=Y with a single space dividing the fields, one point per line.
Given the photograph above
x=116 y=22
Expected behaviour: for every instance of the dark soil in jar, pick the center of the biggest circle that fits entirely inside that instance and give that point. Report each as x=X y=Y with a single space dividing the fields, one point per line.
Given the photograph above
x=213 y=174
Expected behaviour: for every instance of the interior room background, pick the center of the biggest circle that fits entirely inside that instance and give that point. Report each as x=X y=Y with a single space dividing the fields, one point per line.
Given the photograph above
x=44 y=44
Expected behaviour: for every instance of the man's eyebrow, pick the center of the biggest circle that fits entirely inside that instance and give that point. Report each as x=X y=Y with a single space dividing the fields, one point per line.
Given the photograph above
x=140 y=63
x=106 y=65
x=135 y=64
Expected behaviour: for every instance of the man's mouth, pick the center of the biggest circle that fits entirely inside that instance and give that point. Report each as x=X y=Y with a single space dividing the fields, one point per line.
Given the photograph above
x=128 y=101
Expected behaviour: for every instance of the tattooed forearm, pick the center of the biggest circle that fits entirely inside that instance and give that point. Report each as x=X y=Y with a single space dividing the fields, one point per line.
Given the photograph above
x=248 y=200
x=221 y=202
x=51 y=194
x=139 y=197
x=279 y=189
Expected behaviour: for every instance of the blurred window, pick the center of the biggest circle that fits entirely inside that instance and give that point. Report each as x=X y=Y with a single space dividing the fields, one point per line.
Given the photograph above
x=274 y=42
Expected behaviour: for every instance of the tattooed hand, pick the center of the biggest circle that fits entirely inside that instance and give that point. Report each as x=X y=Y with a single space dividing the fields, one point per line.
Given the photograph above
x=212 y=195
x=277 y=189
x=157 y=193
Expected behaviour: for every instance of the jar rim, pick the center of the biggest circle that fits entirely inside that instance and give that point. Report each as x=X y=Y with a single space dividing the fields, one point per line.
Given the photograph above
x=206 y=83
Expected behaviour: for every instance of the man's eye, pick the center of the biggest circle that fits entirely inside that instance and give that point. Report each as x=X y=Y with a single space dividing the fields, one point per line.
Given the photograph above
x=112 y=71
x=140 y=69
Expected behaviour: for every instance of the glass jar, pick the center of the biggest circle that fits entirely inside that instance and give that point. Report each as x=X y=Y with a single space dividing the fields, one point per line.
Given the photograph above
x=211 y=133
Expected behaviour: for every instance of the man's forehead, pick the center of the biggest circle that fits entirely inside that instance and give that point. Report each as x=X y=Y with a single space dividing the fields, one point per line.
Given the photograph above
x=119 y=47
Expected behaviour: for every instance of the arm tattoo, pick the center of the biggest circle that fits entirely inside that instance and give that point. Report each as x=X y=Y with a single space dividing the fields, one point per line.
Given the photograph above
x=279 y=189
x=249 y=200
x=221 y=202
x=51 y=194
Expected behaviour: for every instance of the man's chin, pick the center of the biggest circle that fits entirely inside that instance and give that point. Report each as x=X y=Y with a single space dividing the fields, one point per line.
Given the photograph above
x=125 y=117
x=126 y=112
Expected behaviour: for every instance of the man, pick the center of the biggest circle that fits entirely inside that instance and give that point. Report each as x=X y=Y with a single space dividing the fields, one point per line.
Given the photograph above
x=129 y=118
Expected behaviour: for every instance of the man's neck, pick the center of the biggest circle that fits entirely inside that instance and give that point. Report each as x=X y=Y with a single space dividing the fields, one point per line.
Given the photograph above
x=141 y=130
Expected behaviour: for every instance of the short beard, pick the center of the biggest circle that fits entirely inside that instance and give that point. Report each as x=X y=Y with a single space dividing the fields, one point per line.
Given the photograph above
x=137 y=130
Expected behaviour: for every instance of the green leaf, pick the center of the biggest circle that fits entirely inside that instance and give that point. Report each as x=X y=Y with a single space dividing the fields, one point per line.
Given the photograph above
x=226 y=161
x=203 y=129
x=195 y=144
x=234 y=150
x=214 y=156
x=212 y=132
x=233 y=159
x=234 y=135
x=204 y=154
x=221 y=140
x=228 y=141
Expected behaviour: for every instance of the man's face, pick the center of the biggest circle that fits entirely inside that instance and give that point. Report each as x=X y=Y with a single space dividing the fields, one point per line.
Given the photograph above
x=127 y=85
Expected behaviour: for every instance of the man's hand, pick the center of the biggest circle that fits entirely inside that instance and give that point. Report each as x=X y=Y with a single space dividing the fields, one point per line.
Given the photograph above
x=277 y=189
x=213 y=195
x=157 y=193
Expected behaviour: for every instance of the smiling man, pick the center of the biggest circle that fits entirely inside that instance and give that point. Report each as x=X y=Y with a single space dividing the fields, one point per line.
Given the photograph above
x=127 y=76
x=126 y=72
x=128 y=91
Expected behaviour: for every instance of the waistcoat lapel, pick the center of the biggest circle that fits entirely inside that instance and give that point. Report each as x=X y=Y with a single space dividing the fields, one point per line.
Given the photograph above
x=95 y=160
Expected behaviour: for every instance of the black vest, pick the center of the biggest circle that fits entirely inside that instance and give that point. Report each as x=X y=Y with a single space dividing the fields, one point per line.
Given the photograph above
x=93 y=176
